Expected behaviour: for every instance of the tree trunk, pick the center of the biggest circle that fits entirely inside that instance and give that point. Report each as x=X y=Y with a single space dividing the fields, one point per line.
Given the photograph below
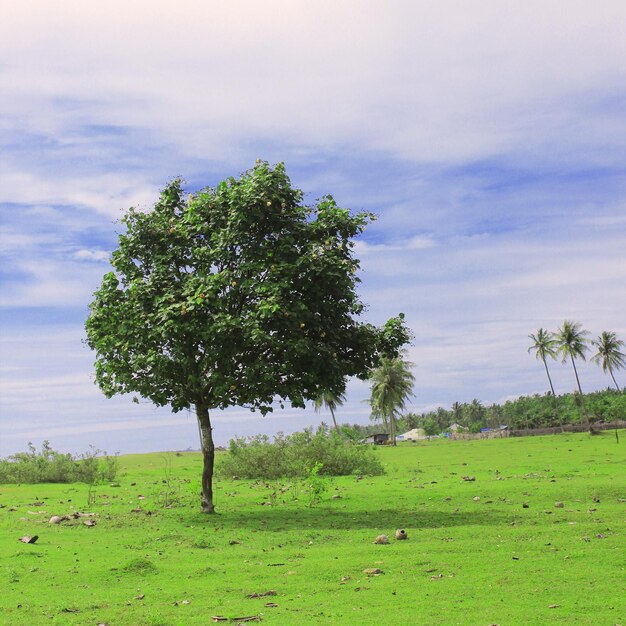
x=582 y=398
x=556 y=406
x=549 y=379
x=618 y=390
x=392 y=423
x=208 y=456
x=332 y=414
x=614 y=381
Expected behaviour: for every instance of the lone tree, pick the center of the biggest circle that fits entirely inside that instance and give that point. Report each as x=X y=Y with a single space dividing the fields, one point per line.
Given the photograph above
x=240 y=295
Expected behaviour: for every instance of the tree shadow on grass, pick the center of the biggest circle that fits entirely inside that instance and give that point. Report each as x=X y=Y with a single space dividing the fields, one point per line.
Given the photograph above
x=277 y=519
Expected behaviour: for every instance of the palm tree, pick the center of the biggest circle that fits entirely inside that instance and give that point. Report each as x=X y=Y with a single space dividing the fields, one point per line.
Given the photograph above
x=609 y=354
x=331 y=401
x=392 y=386
x=457 y=412
x=572 y=343
x=545 y=345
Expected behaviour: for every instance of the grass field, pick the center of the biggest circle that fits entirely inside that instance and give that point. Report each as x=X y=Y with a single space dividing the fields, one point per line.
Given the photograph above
x=510 y=557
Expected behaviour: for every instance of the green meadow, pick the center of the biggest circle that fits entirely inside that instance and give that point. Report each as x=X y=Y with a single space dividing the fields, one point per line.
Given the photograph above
x=538 y=537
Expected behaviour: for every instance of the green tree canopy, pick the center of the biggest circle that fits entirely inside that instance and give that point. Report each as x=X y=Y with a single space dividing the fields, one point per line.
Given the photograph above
x=238 y=295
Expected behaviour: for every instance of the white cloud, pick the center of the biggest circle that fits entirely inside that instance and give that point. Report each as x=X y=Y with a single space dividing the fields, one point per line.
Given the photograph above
x=100 y=256
x=428 y=82
x=107 y=193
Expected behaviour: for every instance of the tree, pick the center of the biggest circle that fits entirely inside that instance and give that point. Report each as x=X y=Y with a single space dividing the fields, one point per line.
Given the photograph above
x=431 y=427
x=476 y=412
x=609 y=355
x=239 y=295
x=571 y=342
x=457 y=412
x=544 y=345
x=331 y=402
x=392 y=385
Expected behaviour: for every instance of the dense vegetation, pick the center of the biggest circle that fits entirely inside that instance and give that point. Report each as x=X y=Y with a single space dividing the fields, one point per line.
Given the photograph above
x=49 y=466
x=296 y=455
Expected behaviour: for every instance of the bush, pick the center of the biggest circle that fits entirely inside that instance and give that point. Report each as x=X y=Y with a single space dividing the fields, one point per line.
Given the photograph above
x=50 y=466
x=295 y=455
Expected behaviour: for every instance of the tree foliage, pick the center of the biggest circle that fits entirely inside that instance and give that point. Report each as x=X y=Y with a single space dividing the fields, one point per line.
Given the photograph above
x=238 y=295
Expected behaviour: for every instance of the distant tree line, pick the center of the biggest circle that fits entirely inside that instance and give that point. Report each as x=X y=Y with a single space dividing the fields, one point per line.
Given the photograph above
x=536 y=411
x=392 y=385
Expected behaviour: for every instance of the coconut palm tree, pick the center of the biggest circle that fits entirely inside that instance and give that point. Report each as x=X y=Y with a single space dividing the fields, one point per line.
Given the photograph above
x=392 y=385
x=609 y=355
x=572 y=342
x=331 y=401
x=544 y=345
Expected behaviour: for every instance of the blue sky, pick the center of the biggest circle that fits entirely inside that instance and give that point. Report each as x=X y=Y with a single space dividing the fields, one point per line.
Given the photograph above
x=489 y=137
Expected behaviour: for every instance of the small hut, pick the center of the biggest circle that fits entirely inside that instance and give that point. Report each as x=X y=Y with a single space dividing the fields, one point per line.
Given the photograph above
x=378 y=438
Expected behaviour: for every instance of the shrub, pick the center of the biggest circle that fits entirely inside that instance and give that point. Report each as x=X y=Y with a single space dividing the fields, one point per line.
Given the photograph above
x=297 y=454
x=50 y=466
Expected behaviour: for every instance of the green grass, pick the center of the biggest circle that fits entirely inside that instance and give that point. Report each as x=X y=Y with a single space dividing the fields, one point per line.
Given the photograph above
x=490 y=561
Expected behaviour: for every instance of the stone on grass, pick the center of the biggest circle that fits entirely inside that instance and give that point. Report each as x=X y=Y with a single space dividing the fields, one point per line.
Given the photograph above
x=382 y=539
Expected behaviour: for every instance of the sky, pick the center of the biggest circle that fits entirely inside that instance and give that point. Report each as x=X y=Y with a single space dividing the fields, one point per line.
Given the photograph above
x=489 y=137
